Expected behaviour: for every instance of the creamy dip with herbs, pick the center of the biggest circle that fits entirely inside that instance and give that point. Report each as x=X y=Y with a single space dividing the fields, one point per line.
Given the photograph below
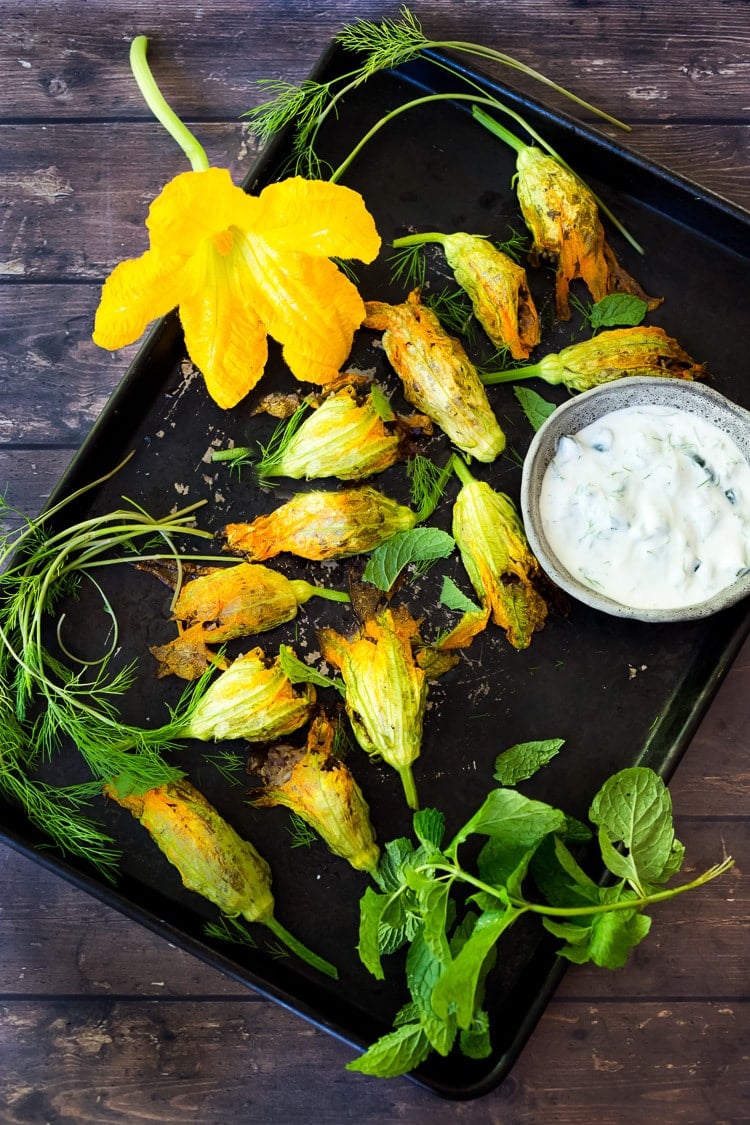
x=649 y=506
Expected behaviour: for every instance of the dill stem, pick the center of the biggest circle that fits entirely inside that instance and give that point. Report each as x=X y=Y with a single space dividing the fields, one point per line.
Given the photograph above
x=481 y=52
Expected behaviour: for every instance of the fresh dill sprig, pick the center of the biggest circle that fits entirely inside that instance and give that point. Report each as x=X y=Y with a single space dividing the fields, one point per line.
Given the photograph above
x=381 y=46
x=272 y=453
x=516 y=245
x=427 y=483
x=231 y=930
x=55 y=811
x=227 y=763
x=44 y=701
x=454 y=310
x=408 y=265
x=300 y=831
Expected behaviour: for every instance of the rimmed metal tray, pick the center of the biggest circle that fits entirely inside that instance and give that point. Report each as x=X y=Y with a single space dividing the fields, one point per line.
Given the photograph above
x=618 y=692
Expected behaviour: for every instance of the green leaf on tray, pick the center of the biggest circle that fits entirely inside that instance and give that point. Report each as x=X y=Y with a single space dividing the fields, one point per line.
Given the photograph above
x=617 y=309
x=522 y=761
x=453 y=598
x=396 y=1053
x=536 y=408
x=297 y=672
x=634 y=809
x=421 y=546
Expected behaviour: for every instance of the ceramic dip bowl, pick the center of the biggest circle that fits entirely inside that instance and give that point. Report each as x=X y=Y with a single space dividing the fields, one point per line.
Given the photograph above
x=545 y=526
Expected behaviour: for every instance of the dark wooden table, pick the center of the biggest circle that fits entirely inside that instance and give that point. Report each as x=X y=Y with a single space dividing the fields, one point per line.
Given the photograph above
x=101 y=1021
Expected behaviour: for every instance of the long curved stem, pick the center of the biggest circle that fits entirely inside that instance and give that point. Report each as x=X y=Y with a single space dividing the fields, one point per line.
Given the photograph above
x=161 y=109
x=301 y=950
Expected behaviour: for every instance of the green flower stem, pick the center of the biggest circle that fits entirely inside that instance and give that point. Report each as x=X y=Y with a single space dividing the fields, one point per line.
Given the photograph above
x=303 y=591
x=418 y=239
x=160 y=108
x=510 y=139
x=410 y=788
x=462 y=470
x=297 y=947
x=234 y=454
x=510 y=375
x=482 y=52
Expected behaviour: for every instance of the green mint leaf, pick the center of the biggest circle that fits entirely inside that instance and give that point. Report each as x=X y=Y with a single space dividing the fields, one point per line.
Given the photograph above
x=576 y=831
x=297 y=672
x=453 y=598
x=456 y=989
x=434 y=902
x=503 y=865
x=422 y=973
x=633 y=808
x=536 y=408
x=617 y=309
x=475 y=1041
x=396 y=1053
x=607 y=940
x=558 y=877
x=408 y=1014
x=429 y=827
x=522 y=761
x=372 y=906
x=513 y=818
x=420 y=545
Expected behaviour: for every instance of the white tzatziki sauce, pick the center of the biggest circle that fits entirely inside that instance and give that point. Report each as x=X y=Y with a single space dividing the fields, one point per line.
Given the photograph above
x=649 y=506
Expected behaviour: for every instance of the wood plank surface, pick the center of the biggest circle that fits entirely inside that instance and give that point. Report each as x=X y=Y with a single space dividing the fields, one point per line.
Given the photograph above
x=102 y=1021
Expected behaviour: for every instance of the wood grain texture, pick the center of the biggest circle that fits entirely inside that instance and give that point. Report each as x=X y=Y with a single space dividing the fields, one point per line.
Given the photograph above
x=102 y=1021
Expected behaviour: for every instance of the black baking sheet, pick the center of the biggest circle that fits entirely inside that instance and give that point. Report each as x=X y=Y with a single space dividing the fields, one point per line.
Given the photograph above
x=618 y=692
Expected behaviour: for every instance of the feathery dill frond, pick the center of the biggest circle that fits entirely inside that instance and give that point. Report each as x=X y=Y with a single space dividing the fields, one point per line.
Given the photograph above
x=427 y=483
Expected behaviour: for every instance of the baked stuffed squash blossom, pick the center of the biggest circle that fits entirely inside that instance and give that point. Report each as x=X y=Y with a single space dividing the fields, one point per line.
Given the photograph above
x=253 y=699
x=313 y=782
x=212 y=858
x=437 y=375
x=322 y=525
x=614 y=354
x=496 y=285
x=226 y=603
x=386 y=690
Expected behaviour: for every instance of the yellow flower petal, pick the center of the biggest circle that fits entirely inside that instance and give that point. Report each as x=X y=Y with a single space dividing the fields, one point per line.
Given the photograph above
x=135 y=293
x=192 y=208
x=239 y=267
x=308 y=306
x=315 y=217
x=223 y=336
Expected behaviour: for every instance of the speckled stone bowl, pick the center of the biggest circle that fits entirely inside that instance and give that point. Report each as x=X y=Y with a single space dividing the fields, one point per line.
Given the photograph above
x=588 y=407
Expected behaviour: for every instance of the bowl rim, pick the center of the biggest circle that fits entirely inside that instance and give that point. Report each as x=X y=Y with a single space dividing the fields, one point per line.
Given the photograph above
x=591 y=405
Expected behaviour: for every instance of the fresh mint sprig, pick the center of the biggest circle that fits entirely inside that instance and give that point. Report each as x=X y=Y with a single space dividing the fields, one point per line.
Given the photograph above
x=524 y=866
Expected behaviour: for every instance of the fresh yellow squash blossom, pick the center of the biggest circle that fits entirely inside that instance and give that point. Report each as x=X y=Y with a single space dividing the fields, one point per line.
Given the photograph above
x=241 y=268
